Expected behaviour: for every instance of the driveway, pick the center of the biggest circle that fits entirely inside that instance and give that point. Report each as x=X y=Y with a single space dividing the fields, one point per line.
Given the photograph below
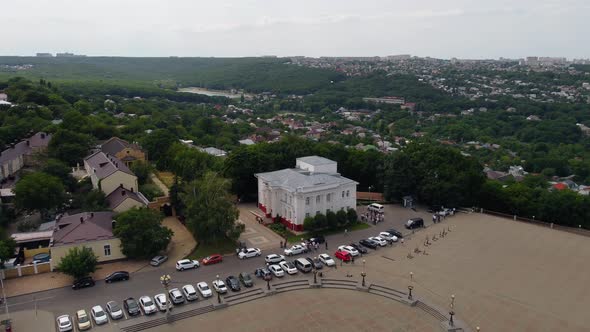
x=182 y=243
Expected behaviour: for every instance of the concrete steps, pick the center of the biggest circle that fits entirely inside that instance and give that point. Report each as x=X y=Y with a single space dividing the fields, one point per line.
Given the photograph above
x=339 y=283
x=162 y=320
x=430 y=310
x=243 y=297
x=291 y=285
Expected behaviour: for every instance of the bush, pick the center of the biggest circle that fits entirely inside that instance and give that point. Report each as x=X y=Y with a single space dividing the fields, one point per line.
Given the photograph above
x=341 y=217
x=151 y=191
x=309 y=224
x=331 y=220
x=26 y=226
x=352 y=216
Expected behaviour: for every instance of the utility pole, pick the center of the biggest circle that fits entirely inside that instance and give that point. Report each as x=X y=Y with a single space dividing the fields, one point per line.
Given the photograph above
x=165 y=280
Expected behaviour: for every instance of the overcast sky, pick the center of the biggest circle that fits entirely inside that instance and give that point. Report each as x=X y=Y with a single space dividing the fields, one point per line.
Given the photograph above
x=438 y=28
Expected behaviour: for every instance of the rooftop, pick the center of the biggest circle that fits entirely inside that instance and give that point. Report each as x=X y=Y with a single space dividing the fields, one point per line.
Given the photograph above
x=105 y=165
x=316 y=161
x=294 y=179
x=121 y=194
x=26 y=146
x=83 y=227
x=115 y=145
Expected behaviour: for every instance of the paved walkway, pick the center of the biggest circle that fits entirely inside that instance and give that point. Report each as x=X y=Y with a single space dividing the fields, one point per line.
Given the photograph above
x=182 y=243
x=160 y=184
x=256 y=235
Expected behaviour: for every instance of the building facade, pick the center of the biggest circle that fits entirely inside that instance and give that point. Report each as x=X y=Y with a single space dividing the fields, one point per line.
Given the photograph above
x=123 y=150
x=108 y=173
x=314 y=186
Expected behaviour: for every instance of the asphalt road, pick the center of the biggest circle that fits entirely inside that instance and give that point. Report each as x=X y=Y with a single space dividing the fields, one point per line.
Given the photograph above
x=147 y=282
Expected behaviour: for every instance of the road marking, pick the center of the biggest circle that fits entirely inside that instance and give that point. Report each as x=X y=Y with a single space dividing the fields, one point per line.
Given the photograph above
x=32 y=301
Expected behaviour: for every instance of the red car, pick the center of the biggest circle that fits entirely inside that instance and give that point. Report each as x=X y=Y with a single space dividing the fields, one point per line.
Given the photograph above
x=343 y=255
x=213 y=259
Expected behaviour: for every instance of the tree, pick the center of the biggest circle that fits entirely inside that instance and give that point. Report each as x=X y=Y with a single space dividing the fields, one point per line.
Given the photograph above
x=309 y=224
x=78 y=262
x=320 y=221
x=331 y=220
x=7 y=245
x=141 y=232
x=341 y=217
x=60 y=170
x=352 y=216
x=157 y=144
x=69 y=146
x=211 y=213
x=39 y=191
x=142 y=170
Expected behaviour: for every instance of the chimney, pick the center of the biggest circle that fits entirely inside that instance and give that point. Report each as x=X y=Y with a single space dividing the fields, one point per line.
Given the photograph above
x=123 y=192
x=81 y=220
x=113 y=223
x=28 y=143
x=91 y=214
x=43 y=135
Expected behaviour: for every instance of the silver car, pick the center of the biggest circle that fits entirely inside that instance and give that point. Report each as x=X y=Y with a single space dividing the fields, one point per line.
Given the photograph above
x=176 y=296
x=98 y=315
x=158 y=260
x=190 y=292
x=114 y=310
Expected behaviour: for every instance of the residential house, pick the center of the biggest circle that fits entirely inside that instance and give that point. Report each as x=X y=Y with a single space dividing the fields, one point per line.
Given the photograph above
x=246 y=141
x=314 y=186
x=123 y=150
x=16 y=156
x=92 y=230
x=121 y=200
x=3 y=96
x=108 y=173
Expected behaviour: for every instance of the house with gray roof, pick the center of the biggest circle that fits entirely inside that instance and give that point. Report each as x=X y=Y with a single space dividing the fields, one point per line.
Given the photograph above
x=17 y=155
x=123 y=150
x=121 y=200
x=92 y=230
x=108 y=173
x=314 y=186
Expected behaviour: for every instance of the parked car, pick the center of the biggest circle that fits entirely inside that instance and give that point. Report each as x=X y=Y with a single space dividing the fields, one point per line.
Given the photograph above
x=414 y=223
x=246 y=279
x=131 y=306
x=185 y=264
x=83 y=283
x=83 y=320
x=295 y=250
x=147 y=305
x=303 y=265
x=263 y=273
x=162 y=302
x=158 y=260
x=369 y=243
x=276 y=270
x=317 y=239
x=117 y=276
x=388 y=237
x=445 y=212
x=327 y=260
x=176 y=296
x=344 y=256
x=274 y=258
x=349 y=250
x=395 y=232
x=114 y=310
x=249 y=253
x=288 y=267
x=204 y=289
x=233 y=283
x=381 y=241
x=213 y=259
x=189 y=293
x=316 y=263
x=359 y=248
x=219 y=286
x=98 y=315
x=64 y=323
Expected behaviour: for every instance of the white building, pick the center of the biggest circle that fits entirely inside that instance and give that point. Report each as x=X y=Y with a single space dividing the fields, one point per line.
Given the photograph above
x=313 y=187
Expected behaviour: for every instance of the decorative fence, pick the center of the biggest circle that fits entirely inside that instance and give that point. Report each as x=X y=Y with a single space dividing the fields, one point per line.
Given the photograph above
x=25 y=270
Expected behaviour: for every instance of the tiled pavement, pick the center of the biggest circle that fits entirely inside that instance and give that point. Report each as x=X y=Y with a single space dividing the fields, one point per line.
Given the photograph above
x=256 y=235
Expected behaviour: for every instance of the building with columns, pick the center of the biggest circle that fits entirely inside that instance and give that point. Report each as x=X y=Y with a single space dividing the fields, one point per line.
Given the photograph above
x=314 y=186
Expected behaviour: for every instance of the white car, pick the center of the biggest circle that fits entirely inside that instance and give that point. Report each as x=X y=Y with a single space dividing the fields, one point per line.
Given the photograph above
x=114 y=310
x=295 y=250
x=288 y=267
x=99 y=316
x=274 y=258
x=349 y=249
x=204 y=289
x=176 y=296
x=219 y=286
x=388 y=236
x=64 y=323
x=185 y=264
x=276 y=270
x=249 y=253
x=147 y=305
x=189 y=293
x=382 y=242
x=162 y=302
x=327 y=260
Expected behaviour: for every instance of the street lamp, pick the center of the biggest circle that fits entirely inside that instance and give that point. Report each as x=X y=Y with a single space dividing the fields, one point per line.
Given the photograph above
x=165 y=280
x=452 y=301
x=452 y=313
x=477 y=328
x=411 y=275
x=268 y=284
x=410 y=292
x=218 y=294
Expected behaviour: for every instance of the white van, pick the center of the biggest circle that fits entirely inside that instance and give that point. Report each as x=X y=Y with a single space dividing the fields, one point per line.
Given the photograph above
x=303 y=265
x=376 y=208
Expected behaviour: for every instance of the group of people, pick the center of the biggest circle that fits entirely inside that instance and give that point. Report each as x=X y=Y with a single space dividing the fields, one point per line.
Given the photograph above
x=373 y=216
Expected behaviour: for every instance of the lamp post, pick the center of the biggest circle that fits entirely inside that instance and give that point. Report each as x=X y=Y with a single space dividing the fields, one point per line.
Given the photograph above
x=451 y=313
x=477 y=328
x=410 y=292
x=218 y=294
x=412 y=276
x=452 y=301
x=364 y=273
x=268 y=284
x=165 y=280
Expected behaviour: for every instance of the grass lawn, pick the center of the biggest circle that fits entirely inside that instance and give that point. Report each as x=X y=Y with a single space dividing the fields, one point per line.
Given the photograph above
x=203 y=250
x=293 y=238
x=167 y=178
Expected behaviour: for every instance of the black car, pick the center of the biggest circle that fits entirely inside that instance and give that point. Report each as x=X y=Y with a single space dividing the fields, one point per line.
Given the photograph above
x=117 y=276
x=359 y=248
x=263 y=273
x=316 y=263
x=317 y=239
x=246 y=279
x=233 y=283
x=395 y=232
x=83 y=283
x=131 y=306
x=369 y=243
x=414 y=223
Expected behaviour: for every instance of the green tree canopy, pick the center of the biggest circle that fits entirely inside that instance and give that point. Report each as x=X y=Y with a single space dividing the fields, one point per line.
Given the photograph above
x=141 y=232
x=210 y=210
x=78 y=262
x=70 y=146
x=39 y=191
